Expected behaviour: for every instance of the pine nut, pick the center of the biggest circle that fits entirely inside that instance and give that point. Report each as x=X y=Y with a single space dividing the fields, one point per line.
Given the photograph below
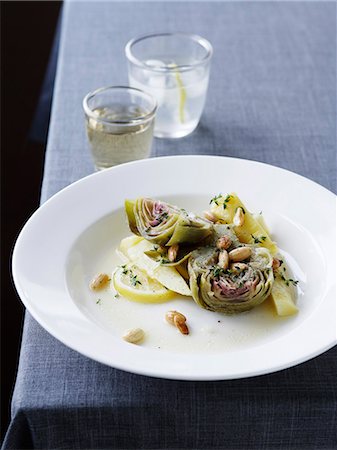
x=169 y=316
x=99 y=282
x=223 y=261
x=180 y=324
x=238 y=267
x=276 y=263
x=134 y=336
x=209 y=216
x=178 y=320
x=224 y=242
x=240 y=254
x=172 y=252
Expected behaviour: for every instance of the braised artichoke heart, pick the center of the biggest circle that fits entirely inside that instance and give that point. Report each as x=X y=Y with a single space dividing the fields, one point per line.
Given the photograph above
x=238 y=288
x=164 y=224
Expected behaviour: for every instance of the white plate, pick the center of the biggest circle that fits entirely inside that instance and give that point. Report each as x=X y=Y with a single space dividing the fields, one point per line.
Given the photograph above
x=74 y=235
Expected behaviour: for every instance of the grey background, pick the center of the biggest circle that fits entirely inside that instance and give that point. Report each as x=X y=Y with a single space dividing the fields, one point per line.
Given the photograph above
x=272 y=98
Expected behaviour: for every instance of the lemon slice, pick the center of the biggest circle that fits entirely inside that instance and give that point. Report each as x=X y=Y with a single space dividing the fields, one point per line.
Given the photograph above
x=182 y=93
x=182 y=97
x=134 y=284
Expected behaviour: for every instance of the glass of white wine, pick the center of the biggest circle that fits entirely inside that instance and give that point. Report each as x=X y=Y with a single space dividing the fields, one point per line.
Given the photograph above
x=119 y=124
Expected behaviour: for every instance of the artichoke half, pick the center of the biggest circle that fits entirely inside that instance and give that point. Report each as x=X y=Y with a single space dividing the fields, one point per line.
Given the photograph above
x=239 y=288
x=164 y=224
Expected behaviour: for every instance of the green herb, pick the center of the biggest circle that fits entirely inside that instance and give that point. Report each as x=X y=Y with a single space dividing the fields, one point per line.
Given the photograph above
x=133 y=279
x=125 y=270
x=117 y=295
x=164 y=260
x=289 y=280
x=219 y=271
x=258 y=240
x=98 y=301
x=215 y=199
x=227 y=199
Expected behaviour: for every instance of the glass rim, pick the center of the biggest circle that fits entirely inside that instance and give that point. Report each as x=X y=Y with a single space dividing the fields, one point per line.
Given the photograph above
x=139 y=119
x=177 y=68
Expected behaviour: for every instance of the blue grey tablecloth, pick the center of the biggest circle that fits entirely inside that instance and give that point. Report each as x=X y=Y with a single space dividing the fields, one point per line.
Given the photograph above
x=272 y=98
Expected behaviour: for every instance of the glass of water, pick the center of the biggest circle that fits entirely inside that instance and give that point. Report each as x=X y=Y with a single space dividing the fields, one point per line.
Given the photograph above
x=119 y=124
x=174 y=68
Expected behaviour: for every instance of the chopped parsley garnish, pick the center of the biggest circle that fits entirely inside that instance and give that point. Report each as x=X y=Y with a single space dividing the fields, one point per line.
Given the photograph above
x=98 y=301
x=289 y=280
x=125 y=270
x=258 y=240
x=228 y=197
x=164 y=261
x=215 y=199
x=218 y=271
x=133 y=279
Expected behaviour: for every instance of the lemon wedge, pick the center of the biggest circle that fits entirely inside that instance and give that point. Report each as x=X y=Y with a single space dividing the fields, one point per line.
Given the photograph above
x=133 y=248
x=134 y=284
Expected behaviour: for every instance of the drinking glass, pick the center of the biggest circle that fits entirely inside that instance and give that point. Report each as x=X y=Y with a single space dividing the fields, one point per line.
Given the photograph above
x=119 y=124
x=174 y=68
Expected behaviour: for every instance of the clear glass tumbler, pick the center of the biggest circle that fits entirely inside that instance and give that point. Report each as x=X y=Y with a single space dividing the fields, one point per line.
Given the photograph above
x=119 y=123
x=174 y=68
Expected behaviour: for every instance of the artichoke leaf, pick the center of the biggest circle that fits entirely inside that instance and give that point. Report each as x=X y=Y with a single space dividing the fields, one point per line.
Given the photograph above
x=165 y=224
x=129 y=206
